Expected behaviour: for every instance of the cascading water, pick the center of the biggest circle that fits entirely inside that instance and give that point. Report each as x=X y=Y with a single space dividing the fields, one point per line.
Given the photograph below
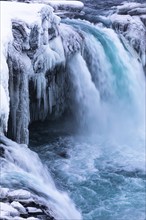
x=118 y=77
x=104 y=170
x=84 y=91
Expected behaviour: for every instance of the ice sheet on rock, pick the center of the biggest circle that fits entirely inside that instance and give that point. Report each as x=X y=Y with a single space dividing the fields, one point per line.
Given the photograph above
x=25 y=12
x=133 y=30
x=7 y=208
x=129 y=6
x=4 y=109
x=65 y=5
x=47 y=58
x=72 y=40
x=18 y=206
x=26 y=28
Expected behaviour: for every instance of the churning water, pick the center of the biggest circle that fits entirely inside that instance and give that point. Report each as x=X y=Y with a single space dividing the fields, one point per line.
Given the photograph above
x=102 y=169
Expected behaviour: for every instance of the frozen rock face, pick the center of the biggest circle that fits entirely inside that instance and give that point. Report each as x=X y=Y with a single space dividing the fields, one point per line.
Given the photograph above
x=35 y=57
x=35 y=67
x=129 y=21
x=19 y=70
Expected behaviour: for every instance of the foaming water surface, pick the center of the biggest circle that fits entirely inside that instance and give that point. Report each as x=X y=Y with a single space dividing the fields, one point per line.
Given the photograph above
x=104 y=177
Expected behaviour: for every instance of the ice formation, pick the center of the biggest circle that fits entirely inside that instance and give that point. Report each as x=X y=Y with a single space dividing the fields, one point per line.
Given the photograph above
x=129 y=20
x=31 y=50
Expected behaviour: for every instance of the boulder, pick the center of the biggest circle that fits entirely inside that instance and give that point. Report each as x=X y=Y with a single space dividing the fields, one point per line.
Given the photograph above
x=8 y=210
x=19 y=207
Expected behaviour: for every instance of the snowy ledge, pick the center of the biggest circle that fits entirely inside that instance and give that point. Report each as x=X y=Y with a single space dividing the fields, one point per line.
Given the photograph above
x=65 y=5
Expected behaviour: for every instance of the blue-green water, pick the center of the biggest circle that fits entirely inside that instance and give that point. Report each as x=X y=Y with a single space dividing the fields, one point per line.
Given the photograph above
x=105 y=178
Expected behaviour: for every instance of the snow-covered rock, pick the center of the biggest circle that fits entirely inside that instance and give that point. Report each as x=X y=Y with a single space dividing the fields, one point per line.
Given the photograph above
x=8 y=210
x=64 y=5
x=32 y=218
x=14 y=207
x=18 y=218
x=72 y=40
x=19 y=207
x=20 y=194
x=129 y=21
x=32 y=48
x=3 y=192
x=33 y=210
x=132 y=8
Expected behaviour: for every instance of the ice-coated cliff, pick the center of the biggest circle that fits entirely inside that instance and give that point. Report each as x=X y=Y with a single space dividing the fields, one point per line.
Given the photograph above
x=34 y=51
x=129 y=21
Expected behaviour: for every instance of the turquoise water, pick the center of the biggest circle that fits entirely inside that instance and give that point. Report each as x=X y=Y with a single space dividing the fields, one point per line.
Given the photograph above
x=105 y=179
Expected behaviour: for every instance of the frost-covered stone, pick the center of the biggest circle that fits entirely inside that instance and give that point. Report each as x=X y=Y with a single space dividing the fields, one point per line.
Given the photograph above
x=34 y=55
x=4 y=192
x=129 y=20
x=72 y=41
x=18 y=218
x=20 y=194
x=8 y=210
x=18 y=206
x=128 y=7
x=33 y=210
x=66 y=5
x=32 y=218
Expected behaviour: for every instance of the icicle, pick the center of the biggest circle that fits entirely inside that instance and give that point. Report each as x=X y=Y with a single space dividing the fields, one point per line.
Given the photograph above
x=50 y=99
x=40 y=85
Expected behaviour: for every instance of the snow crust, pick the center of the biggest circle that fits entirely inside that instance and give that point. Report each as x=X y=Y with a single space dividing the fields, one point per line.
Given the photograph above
x=71 y=4
x=77 y=5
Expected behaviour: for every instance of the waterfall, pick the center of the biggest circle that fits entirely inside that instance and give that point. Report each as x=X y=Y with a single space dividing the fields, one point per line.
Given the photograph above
x=84 y=92
x=118 y=77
